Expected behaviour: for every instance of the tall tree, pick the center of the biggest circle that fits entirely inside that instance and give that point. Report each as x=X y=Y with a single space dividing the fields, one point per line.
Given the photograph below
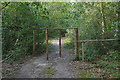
x=103 y=18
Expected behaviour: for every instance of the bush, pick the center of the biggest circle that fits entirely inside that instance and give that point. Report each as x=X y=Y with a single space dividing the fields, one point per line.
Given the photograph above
x=111 y=55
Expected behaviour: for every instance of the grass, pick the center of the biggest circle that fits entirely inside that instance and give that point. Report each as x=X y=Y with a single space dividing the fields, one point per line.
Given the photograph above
x=84 y=74
x=68 y=40
x=49 y=71
x=69 y=44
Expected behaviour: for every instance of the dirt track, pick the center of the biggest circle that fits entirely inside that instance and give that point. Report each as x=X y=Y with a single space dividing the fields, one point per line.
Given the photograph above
x=57 y=67
x=63 y=66
x=35 y=67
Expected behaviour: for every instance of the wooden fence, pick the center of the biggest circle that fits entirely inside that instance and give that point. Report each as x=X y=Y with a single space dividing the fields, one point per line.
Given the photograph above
x=83 y=41
x=59 y=29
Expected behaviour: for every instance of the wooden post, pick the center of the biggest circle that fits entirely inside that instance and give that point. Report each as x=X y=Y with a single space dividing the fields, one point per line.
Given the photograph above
x=76 y=43
x=82 y=51
x=60 y=42
x=47 y=44
x=34 y=42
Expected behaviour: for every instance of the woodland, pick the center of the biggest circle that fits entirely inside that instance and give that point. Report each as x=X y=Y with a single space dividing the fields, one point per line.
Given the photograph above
x=94 y=20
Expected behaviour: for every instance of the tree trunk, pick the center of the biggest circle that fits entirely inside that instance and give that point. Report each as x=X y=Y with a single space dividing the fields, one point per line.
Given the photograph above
x=102 y=25
x=103 y=19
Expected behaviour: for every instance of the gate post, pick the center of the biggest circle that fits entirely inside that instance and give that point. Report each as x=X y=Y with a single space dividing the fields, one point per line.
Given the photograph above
x=82 y=51
x=60 y=42
x=76 y=44
x=47 y=44
x=34 y=42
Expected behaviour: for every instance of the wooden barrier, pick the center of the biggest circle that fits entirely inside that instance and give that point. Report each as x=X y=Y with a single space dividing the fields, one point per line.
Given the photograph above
x=82 y=41
x=82 y=51
x=33 y=42
x=56 y=28
x=47 y=44
x=76 y=41
x=97 y=40
x=60 y=42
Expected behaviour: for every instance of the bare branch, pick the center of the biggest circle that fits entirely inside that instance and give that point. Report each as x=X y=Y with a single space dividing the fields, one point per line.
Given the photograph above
x=5 y=6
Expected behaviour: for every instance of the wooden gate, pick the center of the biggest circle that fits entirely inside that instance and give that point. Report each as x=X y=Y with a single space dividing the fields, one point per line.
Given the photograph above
x=59 y=29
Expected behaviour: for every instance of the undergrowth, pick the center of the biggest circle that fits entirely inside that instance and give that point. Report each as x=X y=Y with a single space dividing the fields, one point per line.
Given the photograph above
x=109 y=62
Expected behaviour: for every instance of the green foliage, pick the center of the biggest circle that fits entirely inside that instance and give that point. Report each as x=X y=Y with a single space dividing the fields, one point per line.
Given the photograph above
x=85 y=74
x=112 y=54
x=8 y=71
x=18 y=27
x=19 y=19
x=91 y=54
x=17 y=56
x=69 y=45
x=87 y=17
x=110 y=63
x=48 y=71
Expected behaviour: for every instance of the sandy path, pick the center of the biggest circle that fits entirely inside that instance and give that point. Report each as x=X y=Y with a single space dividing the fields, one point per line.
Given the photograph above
x=35 y=67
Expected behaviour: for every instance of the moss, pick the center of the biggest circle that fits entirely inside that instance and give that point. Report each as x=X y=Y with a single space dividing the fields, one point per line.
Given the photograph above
x=48 y=77
x=48 y=71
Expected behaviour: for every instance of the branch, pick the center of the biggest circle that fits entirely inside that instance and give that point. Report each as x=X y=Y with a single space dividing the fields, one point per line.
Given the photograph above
x=5 y=6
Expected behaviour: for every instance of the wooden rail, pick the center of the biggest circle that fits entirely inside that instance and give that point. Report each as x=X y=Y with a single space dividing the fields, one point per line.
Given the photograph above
x=56 y=28
x=98 y=40
x=83 y=41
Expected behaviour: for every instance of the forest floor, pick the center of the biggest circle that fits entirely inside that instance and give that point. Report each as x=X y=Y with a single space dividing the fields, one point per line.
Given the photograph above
x=57 y=67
